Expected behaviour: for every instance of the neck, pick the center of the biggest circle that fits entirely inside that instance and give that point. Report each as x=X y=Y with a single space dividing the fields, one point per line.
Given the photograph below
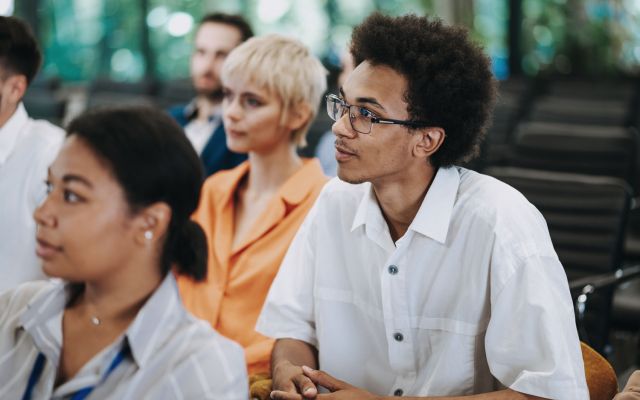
x=119 y=298
x=206 y=107
x=272 y=169
x=400 y=198
x=7 y=114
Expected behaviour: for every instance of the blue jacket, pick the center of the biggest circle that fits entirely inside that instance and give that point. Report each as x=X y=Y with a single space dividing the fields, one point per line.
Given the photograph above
x=216 y=155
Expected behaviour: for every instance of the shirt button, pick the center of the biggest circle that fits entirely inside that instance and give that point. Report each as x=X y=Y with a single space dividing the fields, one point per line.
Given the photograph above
x=393 y=269
x=398 y=392
x=398 y=336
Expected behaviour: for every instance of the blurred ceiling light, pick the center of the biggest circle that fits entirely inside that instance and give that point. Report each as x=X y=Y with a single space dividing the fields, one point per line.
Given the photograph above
x=157 y=17
x=180 y=23
x=270 y=11
x=6 y=7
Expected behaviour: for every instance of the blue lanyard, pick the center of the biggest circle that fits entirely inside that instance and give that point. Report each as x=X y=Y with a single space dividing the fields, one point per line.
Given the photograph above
x=81 y=394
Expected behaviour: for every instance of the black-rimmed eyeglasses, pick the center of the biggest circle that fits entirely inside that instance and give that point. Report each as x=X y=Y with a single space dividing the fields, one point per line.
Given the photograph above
x=360 y=118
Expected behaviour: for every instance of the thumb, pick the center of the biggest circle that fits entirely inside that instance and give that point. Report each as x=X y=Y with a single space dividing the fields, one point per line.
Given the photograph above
x=323 y=379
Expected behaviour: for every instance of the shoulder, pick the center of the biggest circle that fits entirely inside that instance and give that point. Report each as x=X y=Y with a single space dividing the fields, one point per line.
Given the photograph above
x=502 y=211
x=14 y=301
x=45 y=136
x=177 y=111
x=483 y=189
x=220 y=181
x=487 y=207
x=491 y=199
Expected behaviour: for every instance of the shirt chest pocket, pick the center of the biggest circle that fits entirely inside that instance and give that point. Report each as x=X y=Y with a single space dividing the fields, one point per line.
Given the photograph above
x=451 y=353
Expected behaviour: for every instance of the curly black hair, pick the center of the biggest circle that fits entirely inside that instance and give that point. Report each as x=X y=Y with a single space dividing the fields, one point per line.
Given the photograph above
x=449 y=79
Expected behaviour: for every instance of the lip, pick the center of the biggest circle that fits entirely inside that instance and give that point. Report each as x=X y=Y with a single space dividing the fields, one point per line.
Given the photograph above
x=234 y=133
x=46 y=250
x=343 y=154
x=206 y=78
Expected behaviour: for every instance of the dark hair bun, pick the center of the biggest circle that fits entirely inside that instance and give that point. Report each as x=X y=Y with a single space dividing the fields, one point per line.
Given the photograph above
x=190 y=250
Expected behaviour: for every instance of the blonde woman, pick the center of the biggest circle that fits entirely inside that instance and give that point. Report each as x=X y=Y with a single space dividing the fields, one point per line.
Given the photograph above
x=272 y=86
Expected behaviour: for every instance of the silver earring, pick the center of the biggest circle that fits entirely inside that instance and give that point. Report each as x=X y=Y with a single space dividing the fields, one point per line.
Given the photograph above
x=148 y=235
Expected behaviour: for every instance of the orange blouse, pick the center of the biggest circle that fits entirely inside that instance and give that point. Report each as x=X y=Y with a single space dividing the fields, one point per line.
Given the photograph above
x=238 y=279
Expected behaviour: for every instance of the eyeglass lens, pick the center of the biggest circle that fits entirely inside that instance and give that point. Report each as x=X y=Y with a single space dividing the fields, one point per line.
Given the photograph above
x=358 y=117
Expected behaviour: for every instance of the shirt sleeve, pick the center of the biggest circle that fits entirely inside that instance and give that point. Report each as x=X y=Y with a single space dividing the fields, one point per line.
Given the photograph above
x=289 y=310
x=531 y=342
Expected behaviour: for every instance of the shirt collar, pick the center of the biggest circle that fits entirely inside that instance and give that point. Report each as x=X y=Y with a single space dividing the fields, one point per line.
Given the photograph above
x=42 y=319
x=434 y=214
x=367 y=209
x=10 y=132
x=155 y=321
x=190 y=112
x=293 y=191
x=45 y=306
x=301 y=184
x=150 y=329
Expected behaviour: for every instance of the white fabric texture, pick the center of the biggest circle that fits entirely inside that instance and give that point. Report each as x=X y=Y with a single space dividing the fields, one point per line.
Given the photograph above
x=27 y=149
x=199 y=132
x=173 y=355
x=471 y=299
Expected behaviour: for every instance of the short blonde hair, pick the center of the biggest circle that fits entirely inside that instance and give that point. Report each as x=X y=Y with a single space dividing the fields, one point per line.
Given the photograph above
x=285 y=67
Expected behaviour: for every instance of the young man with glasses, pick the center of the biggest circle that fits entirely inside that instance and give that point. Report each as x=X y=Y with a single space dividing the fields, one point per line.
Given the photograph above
x=411 y=276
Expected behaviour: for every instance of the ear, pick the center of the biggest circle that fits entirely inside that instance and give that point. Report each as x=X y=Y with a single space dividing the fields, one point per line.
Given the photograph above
x=429 y=141
x=16 y=87
x=152 y=223
x=298 y=115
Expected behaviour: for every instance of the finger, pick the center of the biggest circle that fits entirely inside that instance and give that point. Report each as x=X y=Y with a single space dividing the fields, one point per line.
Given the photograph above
x=305 y=386
x=282 y=395
x=287 y=387
x=321 y=378
x=633 y=384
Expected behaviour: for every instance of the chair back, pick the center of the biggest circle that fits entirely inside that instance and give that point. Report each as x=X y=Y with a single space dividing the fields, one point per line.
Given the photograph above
x=601 y=378
x=582 y=149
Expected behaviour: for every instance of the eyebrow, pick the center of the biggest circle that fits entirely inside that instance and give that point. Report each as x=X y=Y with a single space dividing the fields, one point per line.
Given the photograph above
x=366 y=100
x=77 y=178
x=73 y=178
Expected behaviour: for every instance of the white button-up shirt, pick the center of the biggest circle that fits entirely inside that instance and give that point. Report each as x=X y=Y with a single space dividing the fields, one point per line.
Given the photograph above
x=27 y=148
x=471 y=299
x=172 y=354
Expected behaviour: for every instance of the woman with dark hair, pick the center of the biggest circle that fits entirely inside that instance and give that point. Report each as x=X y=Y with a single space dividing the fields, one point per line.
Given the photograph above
x=114 y=223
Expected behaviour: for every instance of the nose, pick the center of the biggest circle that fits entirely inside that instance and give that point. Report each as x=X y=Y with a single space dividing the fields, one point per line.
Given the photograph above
x=231 y=109
x=342 y=127
x=43 y=214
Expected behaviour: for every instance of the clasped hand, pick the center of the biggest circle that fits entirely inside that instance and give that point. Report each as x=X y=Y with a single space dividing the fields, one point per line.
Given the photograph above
x=301 y=383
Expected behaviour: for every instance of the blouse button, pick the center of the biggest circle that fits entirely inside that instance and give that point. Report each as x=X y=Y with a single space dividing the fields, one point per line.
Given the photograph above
x=393 y=269
x=398 y=392
x=398 y=336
